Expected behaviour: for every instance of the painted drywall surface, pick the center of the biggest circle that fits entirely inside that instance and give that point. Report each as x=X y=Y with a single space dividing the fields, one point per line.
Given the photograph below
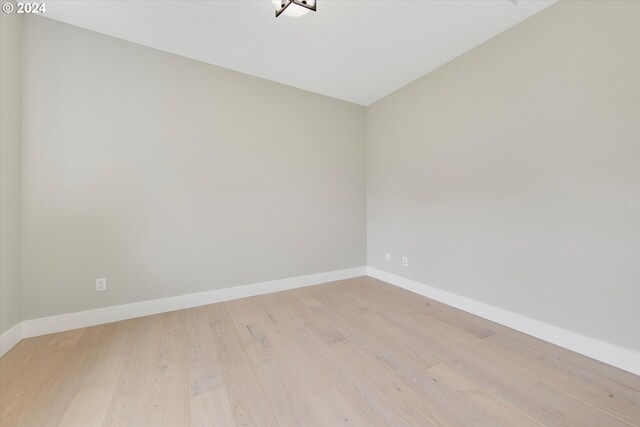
x=10 y=134
x=168 y=176
x=511 y=174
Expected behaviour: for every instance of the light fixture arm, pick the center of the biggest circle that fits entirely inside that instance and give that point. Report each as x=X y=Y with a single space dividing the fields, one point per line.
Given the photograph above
x=308 y=4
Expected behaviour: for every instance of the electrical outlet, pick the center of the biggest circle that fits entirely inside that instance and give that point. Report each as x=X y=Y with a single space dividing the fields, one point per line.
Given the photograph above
x=101 y=284
x=405 y=261
x=387 y=257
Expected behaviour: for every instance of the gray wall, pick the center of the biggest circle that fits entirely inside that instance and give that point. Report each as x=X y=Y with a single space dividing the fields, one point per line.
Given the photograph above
x=511 y=174
x=10 y=152
x=168 y=176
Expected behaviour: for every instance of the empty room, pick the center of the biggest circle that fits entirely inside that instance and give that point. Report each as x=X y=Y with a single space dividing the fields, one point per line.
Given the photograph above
x=320 y=213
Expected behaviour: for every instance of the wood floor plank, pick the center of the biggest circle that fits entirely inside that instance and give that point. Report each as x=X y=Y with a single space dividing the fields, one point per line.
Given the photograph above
x=403 y=404
x=307 y=376
x=560 y=368
x=170 y=394
x=55 y=395
x=501 y=379
x=568 y=369
x=131 y=400
x=432 y=389
x=576 y=411
x=285 y=400
x=622 y=402
x=304 y=297
x=208 y=399
x=366 y=320
x=475 y=406
x=211 y=408
x=403 y=303
x=494 y=370
x=99 y=380
x=242 y=315
x=470 y=322
x=506 y=377
x=616 y=403
x=22 y=392
x=327 y=333
x=352 y=352
x=366 y=402
x=413 y=302
x=14 y=363
x=365 y=377
x=246 y=396
x=331 y=408
x=406 y=368
x=556 y=354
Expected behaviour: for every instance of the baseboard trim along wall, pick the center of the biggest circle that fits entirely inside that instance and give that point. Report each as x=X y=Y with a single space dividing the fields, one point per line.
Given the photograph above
x=611 y=354
x=83 y=319
x=10 y=338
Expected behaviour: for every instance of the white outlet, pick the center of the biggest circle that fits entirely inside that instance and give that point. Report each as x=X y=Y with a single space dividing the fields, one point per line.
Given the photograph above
x=387 y=257
x=405 y=261
x=101 y=284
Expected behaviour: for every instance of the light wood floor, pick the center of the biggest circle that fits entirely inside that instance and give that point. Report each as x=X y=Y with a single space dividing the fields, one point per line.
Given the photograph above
x=354 y=352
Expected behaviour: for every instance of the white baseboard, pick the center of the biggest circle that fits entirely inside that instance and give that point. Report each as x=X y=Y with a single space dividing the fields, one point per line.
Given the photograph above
x=82 y=319
x=10 y=338
x=611 y=354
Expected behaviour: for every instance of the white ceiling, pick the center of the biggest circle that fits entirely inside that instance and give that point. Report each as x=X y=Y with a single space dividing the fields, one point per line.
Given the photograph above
x=358 y=51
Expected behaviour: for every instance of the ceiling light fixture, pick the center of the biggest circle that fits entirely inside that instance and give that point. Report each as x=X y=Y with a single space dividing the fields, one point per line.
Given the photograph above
x=294 y=8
